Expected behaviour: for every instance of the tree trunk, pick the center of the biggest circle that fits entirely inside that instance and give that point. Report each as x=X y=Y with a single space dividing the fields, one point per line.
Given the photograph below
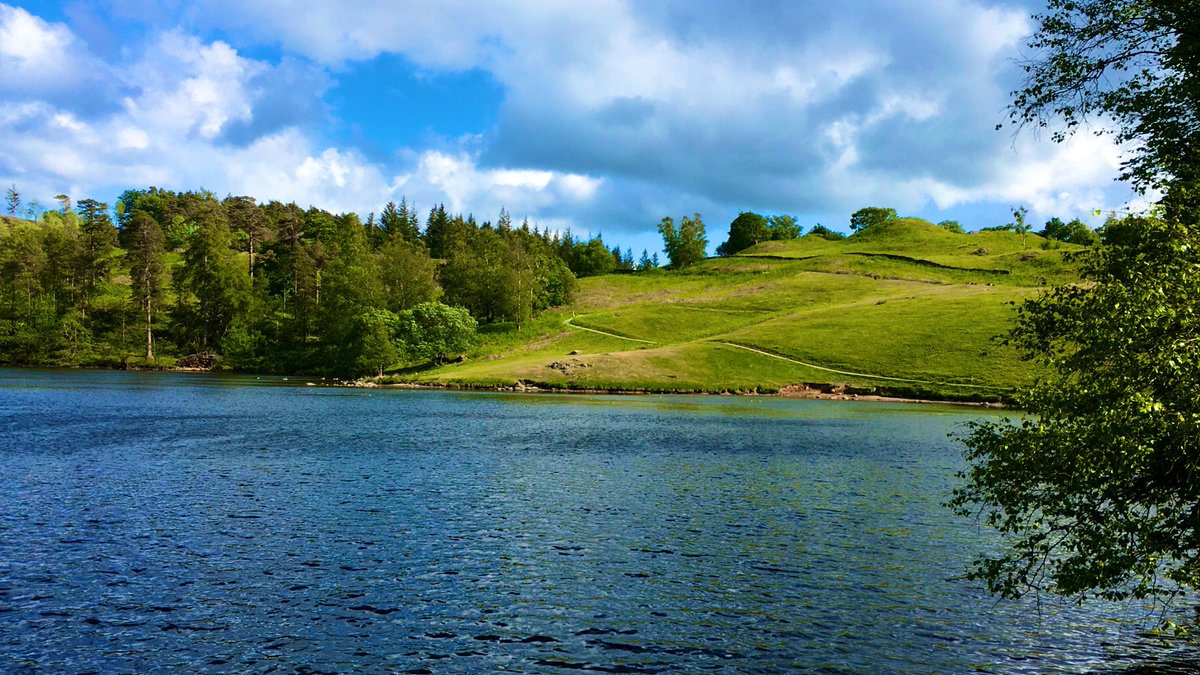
x=149 y=331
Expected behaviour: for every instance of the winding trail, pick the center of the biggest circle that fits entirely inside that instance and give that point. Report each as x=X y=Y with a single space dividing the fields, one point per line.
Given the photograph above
x=831 y=370
x=569 y=323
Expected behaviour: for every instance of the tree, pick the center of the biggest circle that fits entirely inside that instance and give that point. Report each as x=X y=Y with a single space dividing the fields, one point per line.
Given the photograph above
x=408 y=274
x=401 y=222
x=1094 y=492
x=145 y=251
x=1019 y=225
x=1134 y=63
x=686 y=245
x=951 y=226
x=783 y=228
x=592 y=259
x=98 y=238
x=373 y=344
x=1096 y=489
x=12 y=200
x=554 y=284
x=825 y=233
x=211 y=286
x=434 y=331
x=249 y=226
x=438 y=232
x=1074 y=232
x=745 y=231
x=870 y=215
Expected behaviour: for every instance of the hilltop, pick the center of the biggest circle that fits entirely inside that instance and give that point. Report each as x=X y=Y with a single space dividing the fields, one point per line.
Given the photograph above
x=903 y=308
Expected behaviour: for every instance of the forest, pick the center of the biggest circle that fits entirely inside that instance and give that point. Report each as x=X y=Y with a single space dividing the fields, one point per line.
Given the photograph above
x=188 y=279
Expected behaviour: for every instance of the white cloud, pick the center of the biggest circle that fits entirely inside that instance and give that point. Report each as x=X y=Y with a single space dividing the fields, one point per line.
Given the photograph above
x=790 y=107
x=457 y=181
x=187 y=87
x=31 y=49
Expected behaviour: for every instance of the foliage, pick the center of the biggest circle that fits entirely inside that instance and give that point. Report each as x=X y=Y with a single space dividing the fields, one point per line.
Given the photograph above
x=749 y=229
x=685 y=245
x=482 y=274
x=265 y=286
x=434 y=331
x=408 y=274
x=871 y=215
x=591 y=259
x=1133 y=62
x=1074 y=232
x=1019 y=225
x=783 y=227
x=211 y=286
x=249 y=226
x=822 y=232
x=555 y=283
x=373 y=341
x=401 y=222
x=952 y=226
x=1096 y=489
x=745 y=231
x=146 y=267
x=98 y=239
x=440 y=232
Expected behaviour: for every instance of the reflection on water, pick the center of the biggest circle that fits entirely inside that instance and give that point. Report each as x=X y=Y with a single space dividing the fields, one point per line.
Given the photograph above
x=175 y=523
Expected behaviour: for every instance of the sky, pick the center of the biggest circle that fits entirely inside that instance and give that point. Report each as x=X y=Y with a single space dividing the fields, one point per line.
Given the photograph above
x=601 y=116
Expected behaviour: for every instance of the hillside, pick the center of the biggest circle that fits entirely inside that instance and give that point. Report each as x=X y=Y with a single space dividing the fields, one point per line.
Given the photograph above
x=906 y=308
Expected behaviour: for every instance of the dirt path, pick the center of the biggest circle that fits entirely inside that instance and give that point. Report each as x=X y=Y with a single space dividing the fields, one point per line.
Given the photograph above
x=569 y=323
x=848 y=372
x=814 y=366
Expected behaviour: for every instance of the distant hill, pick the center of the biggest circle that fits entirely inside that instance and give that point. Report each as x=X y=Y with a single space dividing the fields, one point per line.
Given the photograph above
x=902 y=308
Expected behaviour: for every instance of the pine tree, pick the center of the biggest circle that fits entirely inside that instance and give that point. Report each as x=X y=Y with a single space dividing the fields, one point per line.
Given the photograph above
x=145 y=251
x=13 y=199
x=98 y=238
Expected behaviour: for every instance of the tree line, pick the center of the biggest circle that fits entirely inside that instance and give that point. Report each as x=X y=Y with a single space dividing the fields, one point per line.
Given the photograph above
x=273 y=287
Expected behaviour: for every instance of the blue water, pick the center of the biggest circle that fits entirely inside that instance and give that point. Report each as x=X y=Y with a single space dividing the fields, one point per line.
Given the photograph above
x=194 y=523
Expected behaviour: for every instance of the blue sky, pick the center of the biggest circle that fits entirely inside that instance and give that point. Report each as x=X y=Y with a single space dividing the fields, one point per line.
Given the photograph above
x=602 y=117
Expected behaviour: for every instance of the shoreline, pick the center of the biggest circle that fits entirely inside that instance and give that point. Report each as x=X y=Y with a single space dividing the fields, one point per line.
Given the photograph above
x=800 y=392
x=803 y=391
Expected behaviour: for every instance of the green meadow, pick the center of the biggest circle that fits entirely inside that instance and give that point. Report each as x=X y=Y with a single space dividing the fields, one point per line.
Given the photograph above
x=904 y=308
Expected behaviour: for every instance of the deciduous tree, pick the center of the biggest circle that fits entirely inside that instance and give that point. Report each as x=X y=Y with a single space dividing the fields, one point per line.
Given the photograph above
x=686 y=245
x=871 y=215
x=745 y=231
x=435 y=331
x=1097 y=490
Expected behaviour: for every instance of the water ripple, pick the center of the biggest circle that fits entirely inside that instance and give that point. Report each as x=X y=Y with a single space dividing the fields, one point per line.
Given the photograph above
x=164 y=524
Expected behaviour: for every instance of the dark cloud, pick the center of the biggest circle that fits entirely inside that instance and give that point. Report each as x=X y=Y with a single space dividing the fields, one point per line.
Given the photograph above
x=924 y=104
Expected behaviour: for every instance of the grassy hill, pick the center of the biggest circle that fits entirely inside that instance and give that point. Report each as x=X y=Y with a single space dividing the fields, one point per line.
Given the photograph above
x=904 y=308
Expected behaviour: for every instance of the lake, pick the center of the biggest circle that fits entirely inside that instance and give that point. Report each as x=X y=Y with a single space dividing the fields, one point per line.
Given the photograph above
x=202 y=523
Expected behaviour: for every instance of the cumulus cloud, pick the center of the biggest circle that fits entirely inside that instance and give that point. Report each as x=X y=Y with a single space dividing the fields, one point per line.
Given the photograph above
x=614 y=113
x=792 y=106
x=41 y=60
x=458 y=181
x=34 y=52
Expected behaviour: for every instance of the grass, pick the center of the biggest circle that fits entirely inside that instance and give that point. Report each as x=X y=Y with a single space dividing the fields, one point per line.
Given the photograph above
x=907 y=309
